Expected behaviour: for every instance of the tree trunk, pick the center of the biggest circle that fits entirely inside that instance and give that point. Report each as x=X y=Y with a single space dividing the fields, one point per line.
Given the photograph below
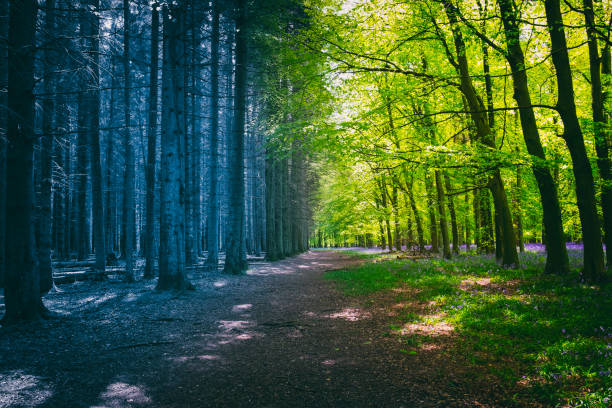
x=212 y=220
x=585 y=191
x=46 y=151
x=235 y=262
x=556 y=252
x=480 y=118
x=171 y=249
x=152 y=145
x=4 y=24
x=22 y=291
x=453 y=215
x=92 y=96
x=433 y=227
x=417 y=216
x=128 y=181
x=446 y=252
x=600 y=126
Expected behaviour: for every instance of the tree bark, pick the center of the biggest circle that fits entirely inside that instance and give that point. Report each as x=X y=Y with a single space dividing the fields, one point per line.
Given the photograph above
x=417 y=216
x=152 y=145
x=556 y=252
x=128 y=192
x=446 y=252
x=22 y=283
x=171 y=249
x=212 y=220
x=572 y=134
x=483 y=133
x=46 y=151
x=600 y=126
x=453 y=215
x=235 y=260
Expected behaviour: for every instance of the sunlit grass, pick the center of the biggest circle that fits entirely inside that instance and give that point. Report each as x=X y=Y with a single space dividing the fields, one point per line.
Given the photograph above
x=548 y=335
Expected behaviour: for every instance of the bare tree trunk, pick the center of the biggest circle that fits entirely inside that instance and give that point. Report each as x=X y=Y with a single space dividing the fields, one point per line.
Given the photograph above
x=235 y=260
x=152 y=144
x=171 y=249
x=46 y=151
x=585 y=190
x=453 y=215
x=128 y=197
x=417 y=216
x=431 y=206
x=93 y=103
x=4 y=24
x=483 y=131
x=212 y=221
x=556 y=258
x=446 y=252
x=22 y=291
x=600 y=125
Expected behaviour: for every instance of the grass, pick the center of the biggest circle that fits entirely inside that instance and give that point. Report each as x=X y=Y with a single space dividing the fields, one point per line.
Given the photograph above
x=548 y=335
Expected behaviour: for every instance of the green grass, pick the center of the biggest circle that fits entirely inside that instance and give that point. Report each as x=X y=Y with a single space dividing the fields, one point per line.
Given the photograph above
x=548 y=336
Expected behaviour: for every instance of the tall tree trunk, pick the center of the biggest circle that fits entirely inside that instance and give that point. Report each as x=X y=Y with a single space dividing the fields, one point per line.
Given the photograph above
x=417 y=216
x=453 y=215
x=466 y=222
x=4 y=24
x=446 y=252
x=431 y=202
x=171 y=248
x=396 y=220
x=212 y=219
x=46 y=151
x=22 y=291
x=128 y=192
x=196 y=135
x=572 y=134
x=384 y=193
x=518 y=210
x=484 y=134
x=152 y=144
x=235 y=263
x=556 y=252
x=600 y=126
x=93 y=112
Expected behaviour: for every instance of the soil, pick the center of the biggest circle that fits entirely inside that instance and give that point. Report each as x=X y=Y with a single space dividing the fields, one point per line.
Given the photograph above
x=281 y=336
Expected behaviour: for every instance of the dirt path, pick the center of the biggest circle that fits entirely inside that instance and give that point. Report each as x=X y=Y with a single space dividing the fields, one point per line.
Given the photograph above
x=278 y=337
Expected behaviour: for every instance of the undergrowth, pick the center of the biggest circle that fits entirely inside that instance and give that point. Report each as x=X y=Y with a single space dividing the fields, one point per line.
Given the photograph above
x=549 y=336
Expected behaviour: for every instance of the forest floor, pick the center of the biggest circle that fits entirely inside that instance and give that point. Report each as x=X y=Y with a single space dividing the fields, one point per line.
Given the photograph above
x=281 y=336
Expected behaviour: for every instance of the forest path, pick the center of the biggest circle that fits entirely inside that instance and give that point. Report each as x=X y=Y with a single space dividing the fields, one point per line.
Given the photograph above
x=279 y=337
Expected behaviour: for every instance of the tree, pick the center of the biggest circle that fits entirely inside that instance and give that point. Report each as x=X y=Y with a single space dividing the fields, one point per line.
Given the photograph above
x=152 y=143
x=171 y=249
x=235 y=260
x=22 y=282
x=593 y=269
x=212 y=221
x=556 y=256
x=128 y=195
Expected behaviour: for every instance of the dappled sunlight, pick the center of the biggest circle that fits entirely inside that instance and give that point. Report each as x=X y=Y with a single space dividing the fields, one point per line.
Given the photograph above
x=350 y=314
x=121 y=394
x=203 y=357
x=23 y=390
x=268 y=270
x=438 y=328
x=230 y=332
x=131 y=297
x=242 y=308
x=220 y=283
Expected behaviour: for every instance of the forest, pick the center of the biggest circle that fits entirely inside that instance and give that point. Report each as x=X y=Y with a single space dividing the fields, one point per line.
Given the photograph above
x=305 y=203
